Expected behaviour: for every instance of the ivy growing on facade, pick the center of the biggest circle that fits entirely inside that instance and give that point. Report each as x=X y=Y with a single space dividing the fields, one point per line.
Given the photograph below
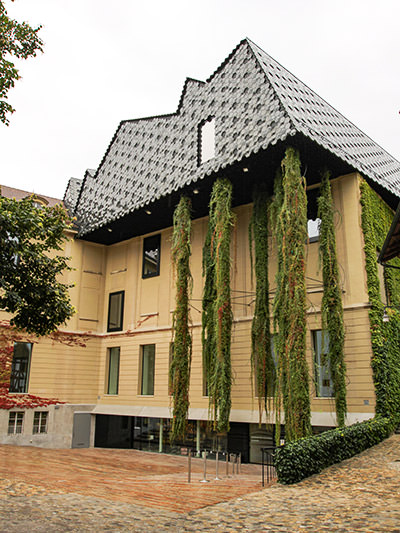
x=182 y=340
x=217 y=310
x=332 y=306
x=290 y=300
x=376 y=218
x=262 y=363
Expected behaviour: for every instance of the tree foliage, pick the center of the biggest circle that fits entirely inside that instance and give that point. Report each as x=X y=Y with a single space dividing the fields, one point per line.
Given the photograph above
x=17 y=40
x=30 y=238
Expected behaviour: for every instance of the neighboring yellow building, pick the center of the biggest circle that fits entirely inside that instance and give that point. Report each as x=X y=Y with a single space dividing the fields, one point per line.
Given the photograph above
x=236 y=125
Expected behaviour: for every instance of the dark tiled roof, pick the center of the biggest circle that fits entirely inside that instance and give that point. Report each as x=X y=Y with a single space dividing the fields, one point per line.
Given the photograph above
x=256 y=103
x=72 y=192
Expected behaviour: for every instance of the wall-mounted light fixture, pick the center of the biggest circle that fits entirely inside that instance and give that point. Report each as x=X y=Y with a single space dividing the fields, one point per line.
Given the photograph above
x=147 y=211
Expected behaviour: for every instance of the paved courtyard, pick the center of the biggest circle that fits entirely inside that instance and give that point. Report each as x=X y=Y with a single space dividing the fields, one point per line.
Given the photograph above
x=125 y=490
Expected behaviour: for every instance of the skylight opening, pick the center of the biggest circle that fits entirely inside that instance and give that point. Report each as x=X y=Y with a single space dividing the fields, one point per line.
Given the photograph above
x=206 y=141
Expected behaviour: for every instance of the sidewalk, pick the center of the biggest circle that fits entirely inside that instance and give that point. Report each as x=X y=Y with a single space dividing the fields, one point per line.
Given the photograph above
x=123 y=490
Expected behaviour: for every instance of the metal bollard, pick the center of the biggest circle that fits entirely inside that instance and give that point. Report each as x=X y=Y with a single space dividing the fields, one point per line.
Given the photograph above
x=227 y=463
x=233 y=463
x=216 y=466
x=240 y=464
x=204 y=480
x=189 y=465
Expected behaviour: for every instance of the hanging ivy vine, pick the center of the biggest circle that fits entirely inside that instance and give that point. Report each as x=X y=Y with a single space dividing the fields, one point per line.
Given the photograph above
x=290 y=301
x=182 y=340
x=262 y=363
x=217 y=311
x=332 y=306
x=376 y=218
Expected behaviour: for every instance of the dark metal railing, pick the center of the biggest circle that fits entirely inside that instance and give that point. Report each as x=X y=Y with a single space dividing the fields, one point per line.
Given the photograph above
x=268 y=471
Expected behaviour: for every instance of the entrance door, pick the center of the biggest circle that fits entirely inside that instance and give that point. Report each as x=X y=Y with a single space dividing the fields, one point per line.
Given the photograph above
x=238 y=440
x=81 y=430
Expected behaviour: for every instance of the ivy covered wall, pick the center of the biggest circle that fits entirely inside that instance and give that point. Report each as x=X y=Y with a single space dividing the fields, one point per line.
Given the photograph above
x=376 y=218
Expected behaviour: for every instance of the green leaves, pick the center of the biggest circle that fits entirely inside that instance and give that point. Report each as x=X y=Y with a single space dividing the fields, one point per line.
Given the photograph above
x=29 y=266
x=304 y=457
x=332 y=306
x=16 y=40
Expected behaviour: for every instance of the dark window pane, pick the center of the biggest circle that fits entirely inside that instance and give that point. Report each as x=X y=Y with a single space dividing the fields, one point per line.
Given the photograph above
x=322 y=370
x=148 y=362
x=113 y=370
x=115 y=311
x=20 y=367
x=151 y=256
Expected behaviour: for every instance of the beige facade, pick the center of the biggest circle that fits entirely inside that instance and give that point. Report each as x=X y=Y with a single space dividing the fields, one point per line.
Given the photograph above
x=79 y=375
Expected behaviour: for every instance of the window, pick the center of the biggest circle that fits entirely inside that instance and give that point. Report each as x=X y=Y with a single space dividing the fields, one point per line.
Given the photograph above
x=113 y=370
x=151 y=256
x=322 y=371
x=170 y=378
x=206 y=142
x=20 y=367
x=115 y=311
x=148 y=357
x=15 y=422
x=313 y=229
x=40 y=422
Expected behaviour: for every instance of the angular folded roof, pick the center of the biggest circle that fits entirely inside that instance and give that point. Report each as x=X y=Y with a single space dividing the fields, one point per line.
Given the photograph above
x=256 y=104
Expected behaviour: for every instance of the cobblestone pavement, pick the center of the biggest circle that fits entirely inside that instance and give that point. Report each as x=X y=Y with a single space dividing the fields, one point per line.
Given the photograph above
x=360 y=494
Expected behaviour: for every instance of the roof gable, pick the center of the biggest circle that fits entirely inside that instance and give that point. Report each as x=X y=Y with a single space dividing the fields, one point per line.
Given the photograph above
x=256 y=103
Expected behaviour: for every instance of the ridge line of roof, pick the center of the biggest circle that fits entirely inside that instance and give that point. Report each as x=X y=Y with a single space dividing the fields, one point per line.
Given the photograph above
x=226 y=60
x=319 y=96
x=183 y=92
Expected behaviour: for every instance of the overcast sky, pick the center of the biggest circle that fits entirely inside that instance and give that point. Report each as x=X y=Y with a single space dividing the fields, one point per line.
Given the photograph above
x=104 y=62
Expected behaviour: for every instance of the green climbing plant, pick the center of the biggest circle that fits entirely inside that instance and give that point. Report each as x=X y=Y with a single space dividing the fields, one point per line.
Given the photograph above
x=182 y=340
x=262 y=363
x=332 y=306
x=217 y=311
x=290 y=300
x=376 y=218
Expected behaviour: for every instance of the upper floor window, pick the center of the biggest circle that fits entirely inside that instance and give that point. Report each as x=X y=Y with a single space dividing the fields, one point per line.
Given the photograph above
x=115 y=311
x=313 y=229
x=147 y=364
x=322 y=369
x=113 y=370
x=20 y=367
x=151 y=256
x=206 y=141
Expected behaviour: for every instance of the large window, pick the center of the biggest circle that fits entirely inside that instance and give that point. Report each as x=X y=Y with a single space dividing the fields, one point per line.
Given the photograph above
x=113 y=370
x=148 y=358
x=322 y=370
x=151 y=256
x=20 y=367
x=40 y=422
x=115 y=311
x=15 y=422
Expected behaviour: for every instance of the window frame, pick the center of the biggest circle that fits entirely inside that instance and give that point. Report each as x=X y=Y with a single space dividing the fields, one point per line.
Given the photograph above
x=120 y=326
x=157 y=271
x=319 y=367
x=37 y=428
x=18 y=415
x=108 y=374
x=141 y=373
x=14 y=378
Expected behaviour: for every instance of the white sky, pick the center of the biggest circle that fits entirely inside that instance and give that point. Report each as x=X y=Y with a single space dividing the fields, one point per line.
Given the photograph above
x=106 y=61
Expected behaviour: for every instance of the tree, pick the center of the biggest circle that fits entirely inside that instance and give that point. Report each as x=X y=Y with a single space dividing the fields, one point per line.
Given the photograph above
x=30 y=290
x=17 y=40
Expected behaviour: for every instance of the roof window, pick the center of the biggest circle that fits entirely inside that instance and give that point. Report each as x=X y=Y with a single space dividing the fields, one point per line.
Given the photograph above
x=206 y=140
